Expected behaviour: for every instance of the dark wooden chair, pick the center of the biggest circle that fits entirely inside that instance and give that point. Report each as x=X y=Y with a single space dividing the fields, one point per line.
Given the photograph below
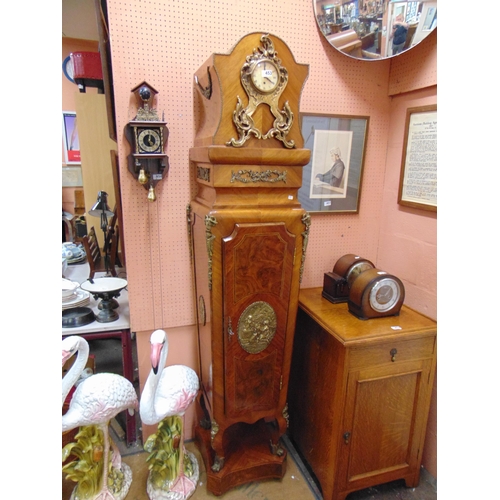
x=93 y=252
x=114 y=259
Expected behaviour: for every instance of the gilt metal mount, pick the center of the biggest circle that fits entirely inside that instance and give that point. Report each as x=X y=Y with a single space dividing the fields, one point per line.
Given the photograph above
x=242 y=116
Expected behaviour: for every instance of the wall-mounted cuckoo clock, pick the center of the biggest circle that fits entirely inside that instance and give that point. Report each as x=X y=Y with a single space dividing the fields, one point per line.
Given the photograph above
x=148 y=136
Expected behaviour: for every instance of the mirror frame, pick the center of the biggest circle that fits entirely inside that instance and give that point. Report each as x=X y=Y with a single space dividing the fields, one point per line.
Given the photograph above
x=367 y=37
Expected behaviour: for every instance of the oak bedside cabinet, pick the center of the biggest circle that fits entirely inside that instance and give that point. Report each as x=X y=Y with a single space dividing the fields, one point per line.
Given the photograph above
x=359 y=394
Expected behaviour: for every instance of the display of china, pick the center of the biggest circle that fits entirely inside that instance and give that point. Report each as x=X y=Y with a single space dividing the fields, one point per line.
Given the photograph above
x=73 y=252
x=69 y=289
x=106 y=289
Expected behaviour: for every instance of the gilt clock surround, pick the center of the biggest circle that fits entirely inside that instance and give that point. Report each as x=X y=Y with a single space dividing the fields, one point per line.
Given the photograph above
x=248 y=239
x=264 y=80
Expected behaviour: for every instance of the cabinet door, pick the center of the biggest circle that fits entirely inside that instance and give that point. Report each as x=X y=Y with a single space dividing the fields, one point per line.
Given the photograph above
x=384 y=417
x=257 y=265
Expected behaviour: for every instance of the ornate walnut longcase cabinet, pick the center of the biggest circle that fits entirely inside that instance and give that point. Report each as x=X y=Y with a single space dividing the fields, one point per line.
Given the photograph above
x=248 y=239
x=360 y=394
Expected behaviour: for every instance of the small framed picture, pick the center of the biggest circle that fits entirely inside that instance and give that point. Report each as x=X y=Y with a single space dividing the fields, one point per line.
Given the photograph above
x=331 y=181
x=70 y=139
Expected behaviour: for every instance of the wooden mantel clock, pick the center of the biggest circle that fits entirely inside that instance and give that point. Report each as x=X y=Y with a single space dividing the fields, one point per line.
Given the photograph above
x=248 y=235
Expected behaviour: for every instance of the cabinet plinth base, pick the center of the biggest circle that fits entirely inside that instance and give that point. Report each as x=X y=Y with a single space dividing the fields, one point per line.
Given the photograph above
x=249 y=459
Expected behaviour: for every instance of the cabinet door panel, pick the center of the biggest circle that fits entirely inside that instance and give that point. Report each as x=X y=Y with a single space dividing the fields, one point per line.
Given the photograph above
x=382 y=407
x=257 y=263
x=382 y=423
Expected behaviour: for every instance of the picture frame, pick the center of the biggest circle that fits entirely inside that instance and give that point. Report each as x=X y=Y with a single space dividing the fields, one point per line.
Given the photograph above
x=430 y=19
x=418 y=176
x=72 y=176
x=323 y=190
x=71 y=140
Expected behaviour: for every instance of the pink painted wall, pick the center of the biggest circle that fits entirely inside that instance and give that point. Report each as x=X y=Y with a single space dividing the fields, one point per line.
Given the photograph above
x=165 y=42
x=408 y=237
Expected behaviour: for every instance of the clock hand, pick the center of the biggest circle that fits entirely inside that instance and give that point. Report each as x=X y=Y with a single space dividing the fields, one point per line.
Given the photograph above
x=385 y=294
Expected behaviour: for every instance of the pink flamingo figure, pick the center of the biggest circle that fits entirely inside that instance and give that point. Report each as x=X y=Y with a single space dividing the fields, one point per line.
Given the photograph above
x=96 y=400
x=168 y=391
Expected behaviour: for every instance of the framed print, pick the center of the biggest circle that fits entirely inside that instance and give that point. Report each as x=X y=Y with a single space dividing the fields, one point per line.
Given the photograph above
x=331 y=181
x=72 y=177
x=418 y=177
x=70 y=139
x=430 y=19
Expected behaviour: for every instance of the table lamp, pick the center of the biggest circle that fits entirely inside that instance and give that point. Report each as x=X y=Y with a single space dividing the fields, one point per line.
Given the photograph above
x=102 y=210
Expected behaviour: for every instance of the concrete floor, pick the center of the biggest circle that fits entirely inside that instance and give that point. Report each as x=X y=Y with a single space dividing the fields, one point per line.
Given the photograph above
x=108 y=359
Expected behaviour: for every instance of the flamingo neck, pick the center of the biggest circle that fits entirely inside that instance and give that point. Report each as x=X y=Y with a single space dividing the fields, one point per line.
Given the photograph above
x=148 y=398
x=76 y=369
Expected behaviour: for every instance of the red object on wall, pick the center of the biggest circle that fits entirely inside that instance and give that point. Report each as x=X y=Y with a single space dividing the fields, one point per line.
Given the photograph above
x=87 y=70
x=86 y=65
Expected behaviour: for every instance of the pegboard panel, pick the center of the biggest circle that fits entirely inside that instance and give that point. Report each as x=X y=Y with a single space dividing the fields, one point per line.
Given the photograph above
x=164 y=42
x=415 y=69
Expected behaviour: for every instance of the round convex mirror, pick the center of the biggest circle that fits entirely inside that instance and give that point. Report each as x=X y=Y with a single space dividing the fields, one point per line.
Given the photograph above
x=375 y=29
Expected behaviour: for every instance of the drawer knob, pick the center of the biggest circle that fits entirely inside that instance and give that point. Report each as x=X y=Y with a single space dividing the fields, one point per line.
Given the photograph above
x=347 y=435
x=394 y=351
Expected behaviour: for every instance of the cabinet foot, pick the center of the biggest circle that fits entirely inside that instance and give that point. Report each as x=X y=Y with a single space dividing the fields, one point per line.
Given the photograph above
x=276 y=449
x=247 y=459
x=218 y=464
x=412 y=482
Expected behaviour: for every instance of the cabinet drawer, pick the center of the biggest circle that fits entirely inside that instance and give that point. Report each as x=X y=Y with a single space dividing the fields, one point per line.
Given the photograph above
x=401 y=350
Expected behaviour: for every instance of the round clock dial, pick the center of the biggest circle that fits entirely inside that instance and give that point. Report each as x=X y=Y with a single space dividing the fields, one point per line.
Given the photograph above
x=149 y=141
x=384 y=294
x=68 y=69
x=265 y=76
x=375 y=293
x=356 y=270
x=350 y=266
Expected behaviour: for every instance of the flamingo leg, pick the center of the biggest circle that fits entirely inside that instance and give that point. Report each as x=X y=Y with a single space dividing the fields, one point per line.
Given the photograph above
x=105 y=494
x=183 y=484
x=117 y=458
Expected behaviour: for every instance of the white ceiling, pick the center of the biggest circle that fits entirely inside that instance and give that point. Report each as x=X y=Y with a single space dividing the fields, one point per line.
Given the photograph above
x=79 y=19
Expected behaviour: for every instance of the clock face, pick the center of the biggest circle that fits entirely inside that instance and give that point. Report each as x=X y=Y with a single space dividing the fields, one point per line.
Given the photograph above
x=265 y=76
x=149 y=141
x=68 y=69
x=384 y=294
x=356 y=270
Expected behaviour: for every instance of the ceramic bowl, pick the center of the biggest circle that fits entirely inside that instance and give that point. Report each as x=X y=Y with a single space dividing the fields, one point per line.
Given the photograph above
x=71 y=251
x=68 y=288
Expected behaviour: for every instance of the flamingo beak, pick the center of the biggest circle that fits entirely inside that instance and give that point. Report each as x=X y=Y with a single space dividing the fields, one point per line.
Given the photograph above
x=65 y=356
x=155 y=356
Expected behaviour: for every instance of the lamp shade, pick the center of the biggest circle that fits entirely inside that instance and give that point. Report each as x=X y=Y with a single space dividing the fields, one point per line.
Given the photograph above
x=101 y=206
